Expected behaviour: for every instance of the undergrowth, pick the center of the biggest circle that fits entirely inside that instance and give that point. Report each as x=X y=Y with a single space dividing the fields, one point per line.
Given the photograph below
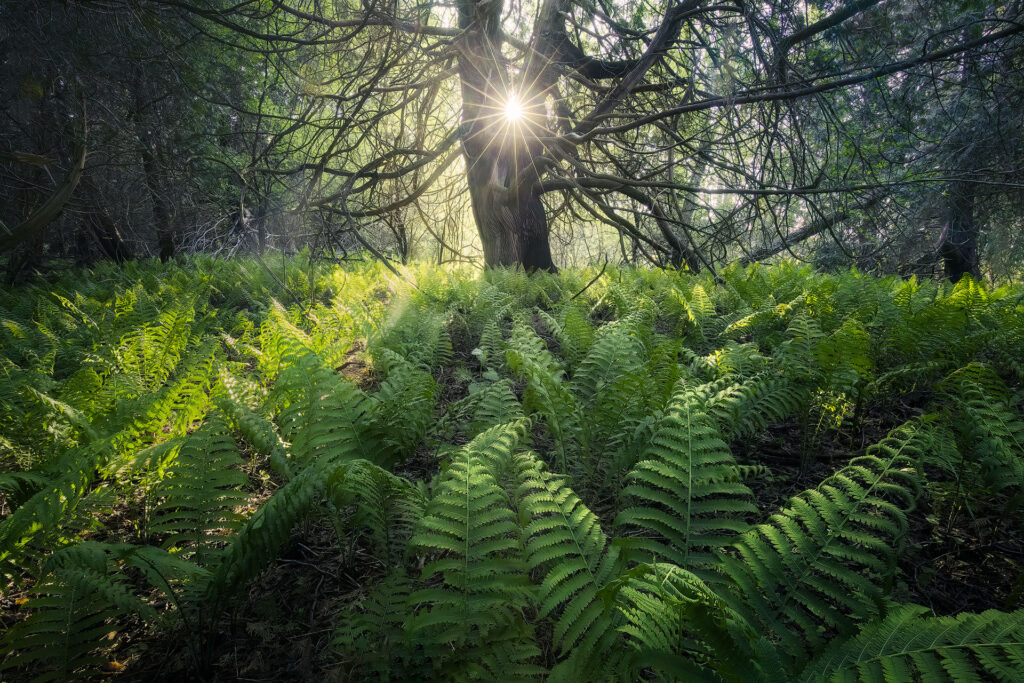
x=532 y=477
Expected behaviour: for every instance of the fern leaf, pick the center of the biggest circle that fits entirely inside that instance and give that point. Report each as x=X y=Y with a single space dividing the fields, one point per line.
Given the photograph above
x=473 y=622
x=824 y=562
x=909 y=644
x=689 y=499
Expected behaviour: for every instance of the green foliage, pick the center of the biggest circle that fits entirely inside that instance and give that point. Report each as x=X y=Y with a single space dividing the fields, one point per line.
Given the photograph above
x=472 y=625
x=686 y=492
x=824 y=561
x=570 y=554
x=196 y=497
x=909 y=644
x=530 y=481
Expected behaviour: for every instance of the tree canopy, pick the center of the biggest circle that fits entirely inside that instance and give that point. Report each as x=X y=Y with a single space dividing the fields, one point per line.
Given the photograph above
x=683 y=133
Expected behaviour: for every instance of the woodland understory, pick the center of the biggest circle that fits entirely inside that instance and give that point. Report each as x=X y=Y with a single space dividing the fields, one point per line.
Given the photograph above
x=215 y=471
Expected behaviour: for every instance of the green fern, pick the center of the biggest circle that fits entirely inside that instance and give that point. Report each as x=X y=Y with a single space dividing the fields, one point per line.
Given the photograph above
x=73 y=608
x=824 y=562
x=688 y=497
x=910 y=644
x=386 y=506
x=199 y=492
x=566 y=547
x=495 y=404
x=372 y=634
x=678 y=629
x=472 y=625
x=402 y=409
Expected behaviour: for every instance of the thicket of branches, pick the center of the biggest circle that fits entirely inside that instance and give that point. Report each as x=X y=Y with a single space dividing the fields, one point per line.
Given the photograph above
x=680 y=133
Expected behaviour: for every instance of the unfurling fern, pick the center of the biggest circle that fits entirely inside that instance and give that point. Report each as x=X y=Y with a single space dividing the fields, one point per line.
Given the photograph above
x=911 y=645
x=824 y=562
x=472 y=625
x=688 y=497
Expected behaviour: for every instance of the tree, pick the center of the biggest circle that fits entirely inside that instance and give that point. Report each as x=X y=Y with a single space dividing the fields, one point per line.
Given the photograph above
x=111 y=145
x=693 y=130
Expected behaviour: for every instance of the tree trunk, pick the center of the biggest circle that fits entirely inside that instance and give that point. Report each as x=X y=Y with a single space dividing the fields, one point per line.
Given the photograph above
x=959 y=245
x=161 y=211
x=500 y=154
x=162 y=214
x=108 y=236
x=511 y=221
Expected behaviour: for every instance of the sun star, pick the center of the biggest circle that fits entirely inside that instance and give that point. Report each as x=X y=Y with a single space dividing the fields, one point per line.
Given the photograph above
x=513 y=109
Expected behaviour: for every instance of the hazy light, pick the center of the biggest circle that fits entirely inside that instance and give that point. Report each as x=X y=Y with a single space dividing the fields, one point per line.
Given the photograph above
x=513 y=109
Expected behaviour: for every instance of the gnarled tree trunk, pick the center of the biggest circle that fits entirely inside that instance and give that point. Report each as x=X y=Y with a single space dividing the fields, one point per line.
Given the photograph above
x=499 y=154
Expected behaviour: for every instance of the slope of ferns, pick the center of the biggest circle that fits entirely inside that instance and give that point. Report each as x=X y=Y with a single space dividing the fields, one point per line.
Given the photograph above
x=540 y=476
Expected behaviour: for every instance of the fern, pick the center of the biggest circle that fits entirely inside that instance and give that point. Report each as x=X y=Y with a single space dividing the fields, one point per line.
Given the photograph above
x=402 y=409
x=258 y=542
x=679 y=629
x=198 y=495
x=688 y=497
x=37 y=525
x=993 y=431
x=323 y=414
x=472 y=624
x=71 y=613
x=386 y=506
x=495 y=404
x=823 y=562
x=567 y=548
x=546 y=392
x=909 y=644
x=261 y=434
x=373 y=633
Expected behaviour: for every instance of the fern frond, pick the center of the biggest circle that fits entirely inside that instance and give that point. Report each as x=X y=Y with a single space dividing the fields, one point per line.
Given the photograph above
x=566 y=546
x=687 y=491
x=679 y=629
x=824 y=562
x=402 y=410
x=373 y=635
x=387 y=506
x=261 y=434
x=199 y=492
x=909 y=644
x=72 y=610
x=38 y=524
x=472 y=624
x=496 y=404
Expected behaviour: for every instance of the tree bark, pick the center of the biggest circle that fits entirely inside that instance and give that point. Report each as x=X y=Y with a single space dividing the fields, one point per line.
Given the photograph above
x=163 y=215
x=959 y=242
x=52 y=207
x=499 y=154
